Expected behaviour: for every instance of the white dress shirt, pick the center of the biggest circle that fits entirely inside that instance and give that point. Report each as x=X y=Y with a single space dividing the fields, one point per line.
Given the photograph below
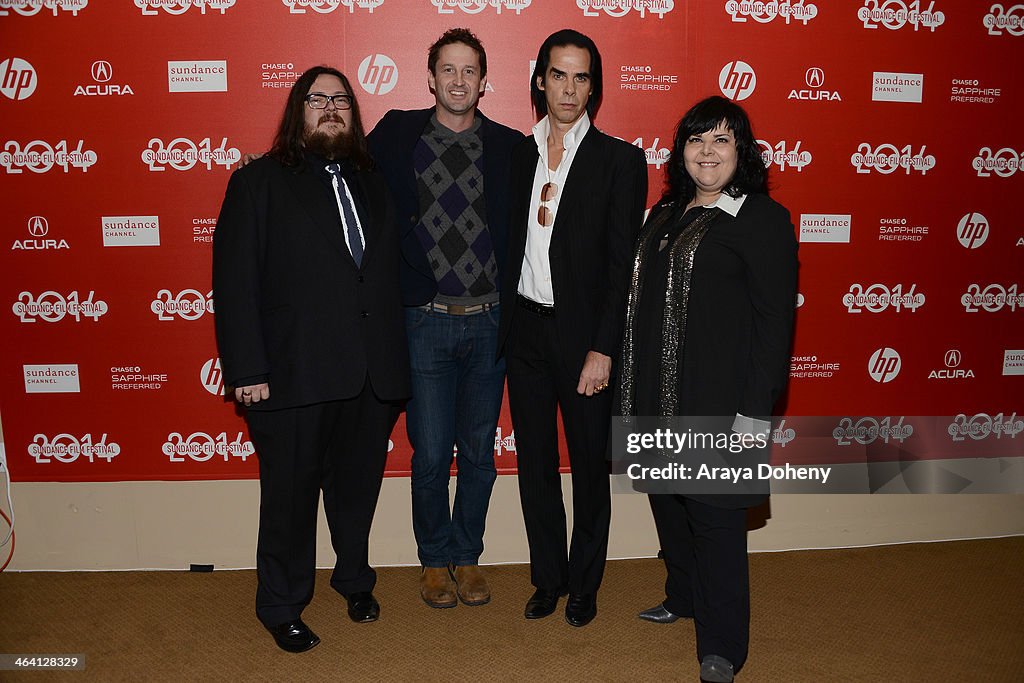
x=535 y=278
x=728 y=204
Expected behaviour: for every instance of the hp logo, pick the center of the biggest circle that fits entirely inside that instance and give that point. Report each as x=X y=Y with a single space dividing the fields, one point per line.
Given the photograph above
x=737 y=80
x=972 y=231
x=884 y=365
x=17 y=79
x=212 y=377
x=378 y=74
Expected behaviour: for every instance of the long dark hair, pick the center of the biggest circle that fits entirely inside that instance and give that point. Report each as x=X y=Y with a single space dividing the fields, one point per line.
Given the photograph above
x=565 y=38
x=751 y=174
x=287 y=147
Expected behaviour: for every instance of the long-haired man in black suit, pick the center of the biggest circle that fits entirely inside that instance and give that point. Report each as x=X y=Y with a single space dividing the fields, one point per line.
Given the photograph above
x=311 y=336
x=578 y=203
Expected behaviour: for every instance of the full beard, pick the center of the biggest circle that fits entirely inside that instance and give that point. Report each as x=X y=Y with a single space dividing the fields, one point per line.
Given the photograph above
x=337 y=146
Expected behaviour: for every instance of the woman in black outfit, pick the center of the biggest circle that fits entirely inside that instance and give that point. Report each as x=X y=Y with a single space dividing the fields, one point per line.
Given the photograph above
x=708 y=332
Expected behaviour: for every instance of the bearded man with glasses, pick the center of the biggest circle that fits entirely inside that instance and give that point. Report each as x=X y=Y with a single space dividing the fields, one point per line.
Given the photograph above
x=312 y=339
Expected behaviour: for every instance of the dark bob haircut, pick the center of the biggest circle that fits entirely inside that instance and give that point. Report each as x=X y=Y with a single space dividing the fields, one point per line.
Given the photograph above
x=751 y=175
x=457 y=35
x=565 y=38
x=288 y=145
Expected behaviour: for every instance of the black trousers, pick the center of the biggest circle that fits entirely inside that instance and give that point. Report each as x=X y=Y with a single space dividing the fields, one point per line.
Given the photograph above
x=339 y=447
x=538 y=385
x=705 y=551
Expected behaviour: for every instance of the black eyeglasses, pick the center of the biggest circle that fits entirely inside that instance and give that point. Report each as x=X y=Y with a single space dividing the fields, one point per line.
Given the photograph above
x=318 y=100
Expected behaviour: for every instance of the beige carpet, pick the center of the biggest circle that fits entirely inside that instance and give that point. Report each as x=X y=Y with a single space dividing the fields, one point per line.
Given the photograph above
x=923 y=612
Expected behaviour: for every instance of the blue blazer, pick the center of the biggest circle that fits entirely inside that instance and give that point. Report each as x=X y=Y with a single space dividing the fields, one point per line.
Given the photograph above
x=392 y=143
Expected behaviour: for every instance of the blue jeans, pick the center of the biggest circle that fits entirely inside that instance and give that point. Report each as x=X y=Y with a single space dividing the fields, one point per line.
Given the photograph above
x=457 y=388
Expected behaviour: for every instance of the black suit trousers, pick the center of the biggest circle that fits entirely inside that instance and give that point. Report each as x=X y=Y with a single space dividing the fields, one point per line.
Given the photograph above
x=705 y=551
x=538 y=384
x=339 y=447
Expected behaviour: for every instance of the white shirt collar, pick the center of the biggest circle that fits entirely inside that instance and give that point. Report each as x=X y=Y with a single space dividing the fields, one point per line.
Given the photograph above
x=571 y=139
x=731 y=205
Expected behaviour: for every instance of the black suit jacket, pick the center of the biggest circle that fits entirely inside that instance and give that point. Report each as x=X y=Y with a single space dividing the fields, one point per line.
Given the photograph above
x=739 y=324
x=392 y=143
x=290 y=302
x=600 y=211
x=739 y=321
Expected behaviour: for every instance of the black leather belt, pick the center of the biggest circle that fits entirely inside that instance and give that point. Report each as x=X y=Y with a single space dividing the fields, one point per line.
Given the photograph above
x=534 y=307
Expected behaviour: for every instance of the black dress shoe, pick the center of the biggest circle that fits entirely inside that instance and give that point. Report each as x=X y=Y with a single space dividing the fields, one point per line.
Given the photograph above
x=580 y=608
x=659 y=615
x=294 y=636
x=542 y=603
x=362 y=607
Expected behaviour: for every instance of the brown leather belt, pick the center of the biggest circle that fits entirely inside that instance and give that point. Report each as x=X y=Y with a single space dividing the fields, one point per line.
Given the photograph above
x=456 y=309
x=534 y=307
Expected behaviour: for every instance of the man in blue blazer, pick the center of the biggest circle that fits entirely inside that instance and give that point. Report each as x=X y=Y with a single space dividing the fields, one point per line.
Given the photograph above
x=448 y=170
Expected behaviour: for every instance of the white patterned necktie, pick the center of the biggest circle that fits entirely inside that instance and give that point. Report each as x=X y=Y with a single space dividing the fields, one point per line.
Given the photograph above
x=348 y=214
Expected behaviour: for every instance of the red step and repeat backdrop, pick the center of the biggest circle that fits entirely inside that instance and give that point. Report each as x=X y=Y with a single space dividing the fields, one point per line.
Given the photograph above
x=891 y=130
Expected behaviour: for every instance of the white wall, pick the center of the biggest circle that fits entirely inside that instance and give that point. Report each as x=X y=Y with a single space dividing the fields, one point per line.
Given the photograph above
x=168 y=525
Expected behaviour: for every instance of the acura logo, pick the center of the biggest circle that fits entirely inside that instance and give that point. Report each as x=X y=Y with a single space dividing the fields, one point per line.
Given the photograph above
x=952 y=358
x=814 y=77
x=38 y=227
x=101 y=71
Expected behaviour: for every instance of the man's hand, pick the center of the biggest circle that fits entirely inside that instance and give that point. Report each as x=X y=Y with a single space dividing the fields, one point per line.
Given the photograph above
x=252 y=393
x=594 y=377
x=248 y=158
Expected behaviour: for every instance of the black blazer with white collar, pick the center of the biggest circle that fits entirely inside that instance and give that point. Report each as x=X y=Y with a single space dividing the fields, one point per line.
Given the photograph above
x=600 y=212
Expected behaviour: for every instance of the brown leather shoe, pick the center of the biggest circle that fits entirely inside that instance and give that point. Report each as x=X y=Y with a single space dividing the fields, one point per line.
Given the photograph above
x=437 y=588
x=472 y=585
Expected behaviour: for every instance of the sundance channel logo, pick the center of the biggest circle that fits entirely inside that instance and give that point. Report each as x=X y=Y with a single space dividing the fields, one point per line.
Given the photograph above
x=888 y=86
x=197 y=76
x=51 y=379
x=130 y=231
x=1013 y=362
x=825 y=227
